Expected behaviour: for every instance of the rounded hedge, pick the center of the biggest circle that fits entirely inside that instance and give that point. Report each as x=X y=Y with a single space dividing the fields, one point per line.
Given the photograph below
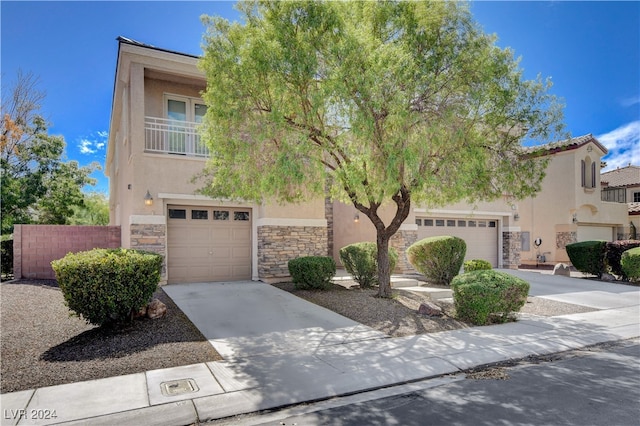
x=439 y=259
x=361 y=261
x=107 y=285
x=630 y=262
x=477 y=265
x=312 y=272
x=488 y=296
x=588 y=256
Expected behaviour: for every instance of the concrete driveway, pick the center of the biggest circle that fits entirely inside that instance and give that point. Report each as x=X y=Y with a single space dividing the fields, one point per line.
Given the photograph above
x=244 y=319
x=580 y=291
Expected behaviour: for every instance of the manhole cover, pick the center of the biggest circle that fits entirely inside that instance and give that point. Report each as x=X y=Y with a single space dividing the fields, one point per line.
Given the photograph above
x=178 y=387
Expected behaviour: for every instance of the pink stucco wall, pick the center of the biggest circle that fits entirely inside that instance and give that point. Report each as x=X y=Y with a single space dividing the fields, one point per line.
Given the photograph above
x=35 y=246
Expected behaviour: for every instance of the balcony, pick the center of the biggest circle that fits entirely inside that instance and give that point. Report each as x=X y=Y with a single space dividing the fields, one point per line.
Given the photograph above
x=165 y=136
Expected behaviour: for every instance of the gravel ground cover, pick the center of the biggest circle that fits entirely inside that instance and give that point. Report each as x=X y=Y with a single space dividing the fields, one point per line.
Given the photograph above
x=42 y=345
x=399 y=317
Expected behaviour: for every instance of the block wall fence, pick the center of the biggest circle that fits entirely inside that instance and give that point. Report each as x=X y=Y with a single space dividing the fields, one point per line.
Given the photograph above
x=35 y=246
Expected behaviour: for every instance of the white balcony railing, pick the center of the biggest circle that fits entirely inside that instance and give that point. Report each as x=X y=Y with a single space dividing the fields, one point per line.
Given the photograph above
x=173 y=137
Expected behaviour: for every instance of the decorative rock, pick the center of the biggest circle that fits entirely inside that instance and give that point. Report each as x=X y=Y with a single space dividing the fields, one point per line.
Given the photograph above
x=156 y=309
x=430 y=309
x=562 y=269
x=142 y=312
x=607 y=277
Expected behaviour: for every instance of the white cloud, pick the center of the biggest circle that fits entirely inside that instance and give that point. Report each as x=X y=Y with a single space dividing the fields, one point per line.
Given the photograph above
x=93 y=143
x=631 y=101
x=623 y=144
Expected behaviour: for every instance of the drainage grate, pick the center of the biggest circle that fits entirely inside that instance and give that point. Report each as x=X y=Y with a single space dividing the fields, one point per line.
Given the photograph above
x=178 y=387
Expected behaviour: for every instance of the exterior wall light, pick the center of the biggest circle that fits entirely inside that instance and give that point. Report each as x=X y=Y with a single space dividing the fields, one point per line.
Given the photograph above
x=575 y=218
x=516 y=216
x=356 y=218
x=148 y=199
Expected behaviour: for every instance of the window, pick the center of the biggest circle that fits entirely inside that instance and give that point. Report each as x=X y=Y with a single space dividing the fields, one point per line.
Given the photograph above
x=482 y=224
x=177 y=214
x=472 y=223
x=439 y=222
x=451 y=223
x=220 y=215
x=199 y=214
x=182 y=112
x=419 y=222
x=492 y=224
x=636 y=197
x=462 y=223
x=616 y=195
x=588 y=173
x=428 y=222
x=240 y=215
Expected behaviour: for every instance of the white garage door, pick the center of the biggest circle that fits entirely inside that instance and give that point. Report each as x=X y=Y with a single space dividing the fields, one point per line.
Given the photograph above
x=481 y=235
x=590 y=233
x=208 y=244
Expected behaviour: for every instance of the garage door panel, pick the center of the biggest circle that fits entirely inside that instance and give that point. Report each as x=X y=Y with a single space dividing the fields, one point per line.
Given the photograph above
x=480 y=235
x=216 y=248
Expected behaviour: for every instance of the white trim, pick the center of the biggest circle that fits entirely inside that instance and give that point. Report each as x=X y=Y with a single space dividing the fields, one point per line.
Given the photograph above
x=463 y=213
x=139 y=219
x=512 y=229
x=276 y=221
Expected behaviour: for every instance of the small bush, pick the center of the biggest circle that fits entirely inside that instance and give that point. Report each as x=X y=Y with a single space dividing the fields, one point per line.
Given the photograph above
x=613 y=254
x=312 y=272
x=588 y=256
x=439 y=259
x=488 y=296
x=477 y=265
x=630 y=263
x=106 y=285
x=7 y=255
x=361 y=261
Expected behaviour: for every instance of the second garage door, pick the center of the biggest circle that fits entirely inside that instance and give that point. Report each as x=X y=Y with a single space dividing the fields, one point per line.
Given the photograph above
x=481 y=235
x=208 y=244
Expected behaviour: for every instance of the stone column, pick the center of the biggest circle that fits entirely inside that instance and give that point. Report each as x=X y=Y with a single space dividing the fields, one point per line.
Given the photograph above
x=150 y=233
x=401 y=241
x=511 y=246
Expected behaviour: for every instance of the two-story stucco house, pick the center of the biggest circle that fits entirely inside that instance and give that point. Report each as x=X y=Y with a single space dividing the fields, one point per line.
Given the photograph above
x=154 y=151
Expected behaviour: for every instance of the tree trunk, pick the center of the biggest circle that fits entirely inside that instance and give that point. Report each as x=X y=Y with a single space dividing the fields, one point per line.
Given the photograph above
x=384 y=269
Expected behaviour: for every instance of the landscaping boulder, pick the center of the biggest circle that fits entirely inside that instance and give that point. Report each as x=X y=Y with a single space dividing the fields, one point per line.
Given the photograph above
x=430 y=309
x=562 y=269
x=607 y=277
x=156 y=309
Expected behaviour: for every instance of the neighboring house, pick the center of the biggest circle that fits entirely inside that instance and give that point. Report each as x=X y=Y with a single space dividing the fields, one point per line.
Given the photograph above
x=622 y=185
x=154 y=151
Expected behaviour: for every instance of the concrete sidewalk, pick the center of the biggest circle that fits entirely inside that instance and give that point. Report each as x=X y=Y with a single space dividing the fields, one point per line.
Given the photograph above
x=315 y=361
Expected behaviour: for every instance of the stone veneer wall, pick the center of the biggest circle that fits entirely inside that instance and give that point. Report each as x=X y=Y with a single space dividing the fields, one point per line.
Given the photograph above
x=151 y=237
x=279 y=244
x=401 y=242
x=564 y=238
x=511 y=246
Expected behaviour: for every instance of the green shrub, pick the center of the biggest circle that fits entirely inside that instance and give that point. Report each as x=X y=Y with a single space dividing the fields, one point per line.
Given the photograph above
x=6 y=255
x=439 y=259
x=361 y=261
x=106 y=285
x=613 y=254
x=312 y=272
x=488 y=296
x=477 y=265
x=630 y=263
x=588 y=256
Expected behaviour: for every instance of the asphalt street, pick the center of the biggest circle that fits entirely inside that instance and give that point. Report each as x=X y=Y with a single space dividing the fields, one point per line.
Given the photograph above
x=593 y=386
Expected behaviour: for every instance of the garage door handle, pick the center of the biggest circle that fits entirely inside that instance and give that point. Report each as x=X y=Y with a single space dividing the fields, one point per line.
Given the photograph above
x=210 y=252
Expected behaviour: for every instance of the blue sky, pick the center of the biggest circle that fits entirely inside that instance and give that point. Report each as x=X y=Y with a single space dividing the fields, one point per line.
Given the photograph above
x=591 y=50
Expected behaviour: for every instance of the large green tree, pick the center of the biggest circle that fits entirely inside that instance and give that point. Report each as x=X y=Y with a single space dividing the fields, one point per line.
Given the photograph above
x=37 y=186
x=387 y=103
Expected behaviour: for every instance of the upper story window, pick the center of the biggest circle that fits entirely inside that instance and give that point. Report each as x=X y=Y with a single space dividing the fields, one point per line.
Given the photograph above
x=636 y=197
x=588 y=173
